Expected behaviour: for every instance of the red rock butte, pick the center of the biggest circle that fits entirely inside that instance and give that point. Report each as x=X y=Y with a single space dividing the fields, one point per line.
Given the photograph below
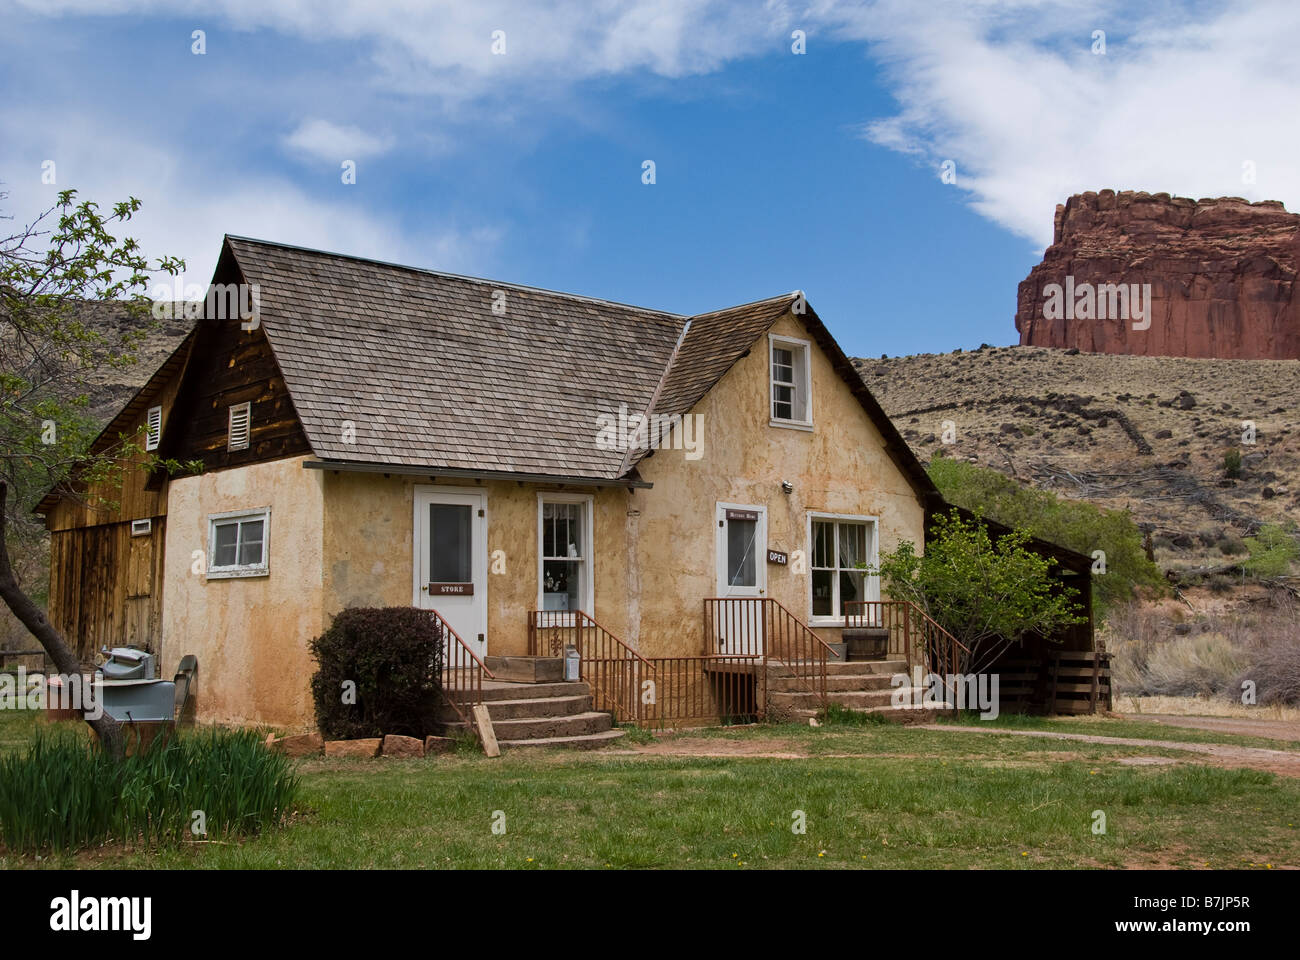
x=1222 y=276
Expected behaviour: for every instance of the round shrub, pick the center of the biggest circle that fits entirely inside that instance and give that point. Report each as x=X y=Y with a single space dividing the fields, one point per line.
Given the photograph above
x=379 y=671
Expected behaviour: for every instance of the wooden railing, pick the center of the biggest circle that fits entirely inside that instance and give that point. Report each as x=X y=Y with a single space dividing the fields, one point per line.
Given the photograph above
x=762 y=629
x=614 y=670
x=913 y=635
x=462 y=673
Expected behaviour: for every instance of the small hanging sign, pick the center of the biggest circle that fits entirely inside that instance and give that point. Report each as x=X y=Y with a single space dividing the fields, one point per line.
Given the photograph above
x=778 y=557
x=742 y=514
x=451 y=589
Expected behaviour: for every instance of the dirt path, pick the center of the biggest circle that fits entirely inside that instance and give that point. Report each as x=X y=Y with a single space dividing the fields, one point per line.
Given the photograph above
x=1283 y=762
x=1273 y=729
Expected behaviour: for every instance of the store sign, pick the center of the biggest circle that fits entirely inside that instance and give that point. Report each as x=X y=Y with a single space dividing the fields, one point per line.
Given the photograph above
x=451 y=589
x=742 y=514
x=777 y=557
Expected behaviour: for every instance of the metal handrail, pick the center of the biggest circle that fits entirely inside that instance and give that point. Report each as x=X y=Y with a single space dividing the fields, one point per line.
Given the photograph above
x=462 y=659
x=603 y=658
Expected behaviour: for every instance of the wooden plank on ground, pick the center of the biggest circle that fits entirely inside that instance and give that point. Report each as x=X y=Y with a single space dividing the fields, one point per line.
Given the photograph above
x=485 y=731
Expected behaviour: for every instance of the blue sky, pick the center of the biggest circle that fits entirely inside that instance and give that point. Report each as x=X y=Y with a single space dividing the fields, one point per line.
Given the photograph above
x=774 y=171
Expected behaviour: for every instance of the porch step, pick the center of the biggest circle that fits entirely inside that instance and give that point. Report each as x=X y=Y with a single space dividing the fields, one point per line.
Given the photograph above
x=853 y=699
x=806 y=705
x=834 y=682
x=526 y=707
x=526 y=669
x=514 y=690
x=592 y=741
x=541 y=714
x=548 y=727
x=854 y=667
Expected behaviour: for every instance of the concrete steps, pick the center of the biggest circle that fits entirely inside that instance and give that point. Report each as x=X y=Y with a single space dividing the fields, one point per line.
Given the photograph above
x=529 y=714
x=862 y=685
x=592 y=741
x=834 y=682
x=851 y=667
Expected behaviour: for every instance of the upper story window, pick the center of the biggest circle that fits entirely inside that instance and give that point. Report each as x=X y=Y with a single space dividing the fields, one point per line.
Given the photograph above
x=239 y=544
x=791 y=393
x=153 y=428
x=240 y=426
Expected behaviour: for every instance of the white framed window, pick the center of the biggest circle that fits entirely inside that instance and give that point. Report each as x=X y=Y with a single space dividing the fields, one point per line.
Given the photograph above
x=141 y=528
x=153 y=428
x=240 y=427
x=564 y=552
x=842 y=551
x=790 y=381
x=239 y=544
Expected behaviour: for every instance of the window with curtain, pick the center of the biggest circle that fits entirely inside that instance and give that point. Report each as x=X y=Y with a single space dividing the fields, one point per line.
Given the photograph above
x=841 y=550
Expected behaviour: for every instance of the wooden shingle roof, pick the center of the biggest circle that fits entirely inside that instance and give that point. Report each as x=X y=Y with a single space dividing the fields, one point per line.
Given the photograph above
x=429 y=376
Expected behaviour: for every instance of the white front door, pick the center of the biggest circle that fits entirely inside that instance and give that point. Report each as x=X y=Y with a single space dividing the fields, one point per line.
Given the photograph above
x=451 y=559
x=742 y=576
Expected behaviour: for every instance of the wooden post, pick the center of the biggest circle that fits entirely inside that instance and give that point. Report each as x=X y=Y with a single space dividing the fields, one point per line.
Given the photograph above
x=1056 y=670
x=485 y=732
x=1096 y=668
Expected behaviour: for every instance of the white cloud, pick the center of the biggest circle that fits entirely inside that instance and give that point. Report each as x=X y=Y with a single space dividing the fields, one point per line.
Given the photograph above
x=445 y=48
x=1008 y=89
x=1011 y=92
x=186 y=208
x=332 y=143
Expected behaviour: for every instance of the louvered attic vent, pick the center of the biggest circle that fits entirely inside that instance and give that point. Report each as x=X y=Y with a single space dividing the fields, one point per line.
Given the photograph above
x=153 y=428
x=239 y=427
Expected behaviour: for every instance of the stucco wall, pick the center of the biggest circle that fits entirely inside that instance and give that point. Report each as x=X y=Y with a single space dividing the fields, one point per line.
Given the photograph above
x=369 y=552
x=840 y=466
x=250 y=634
x=345 y=539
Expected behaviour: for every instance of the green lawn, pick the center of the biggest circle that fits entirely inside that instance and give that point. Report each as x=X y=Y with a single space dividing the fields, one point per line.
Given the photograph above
x=877 y=796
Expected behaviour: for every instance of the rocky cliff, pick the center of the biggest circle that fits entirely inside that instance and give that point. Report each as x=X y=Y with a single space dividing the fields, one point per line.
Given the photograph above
x=1156 y=275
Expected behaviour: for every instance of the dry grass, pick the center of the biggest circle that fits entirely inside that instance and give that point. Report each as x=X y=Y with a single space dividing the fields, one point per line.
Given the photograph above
x=1211 y=656
x=1205 y=707
x=1058 y=421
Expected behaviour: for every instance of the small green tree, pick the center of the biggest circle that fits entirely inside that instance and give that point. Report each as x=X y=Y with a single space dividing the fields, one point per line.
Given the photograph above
x=1232 y=463
x=49 y=350
x=1272 y=551
x=1076 y=524
x=988 y=594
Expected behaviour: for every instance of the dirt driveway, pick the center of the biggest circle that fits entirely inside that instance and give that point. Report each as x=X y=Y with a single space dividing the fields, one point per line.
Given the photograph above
x=1273 y=729
x=1283 y=762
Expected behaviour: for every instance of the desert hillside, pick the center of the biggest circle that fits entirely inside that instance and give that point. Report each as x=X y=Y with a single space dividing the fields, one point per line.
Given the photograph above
x=1144 y=433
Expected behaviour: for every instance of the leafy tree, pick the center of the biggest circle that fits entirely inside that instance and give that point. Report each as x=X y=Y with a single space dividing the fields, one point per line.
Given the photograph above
x=51 y=276
x=988 y=594
x=1076 y=524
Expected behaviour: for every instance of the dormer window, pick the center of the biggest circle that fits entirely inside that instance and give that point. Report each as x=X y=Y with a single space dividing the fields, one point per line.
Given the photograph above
x=153 y=428
x=790 y=382
x=240 y=425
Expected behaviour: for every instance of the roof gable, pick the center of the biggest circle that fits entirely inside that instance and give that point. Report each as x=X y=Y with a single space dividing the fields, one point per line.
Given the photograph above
x=430 y=375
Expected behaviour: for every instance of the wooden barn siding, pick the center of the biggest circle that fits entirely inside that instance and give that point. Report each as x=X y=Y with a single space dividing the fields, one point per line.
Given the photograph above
x=106 y=586
x=134 y=497
x=232 y=366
